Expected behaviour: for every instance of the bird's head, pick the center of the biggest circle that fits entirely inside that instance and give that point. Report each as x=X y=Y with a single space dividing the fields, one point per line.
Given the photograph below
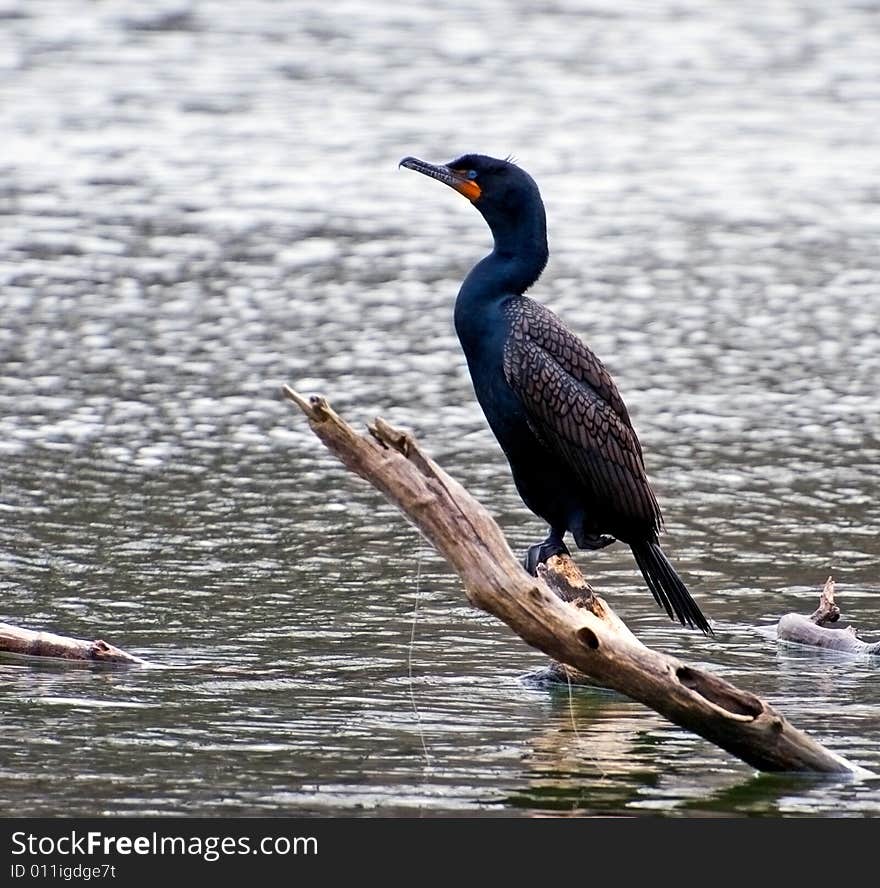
x=505 y=194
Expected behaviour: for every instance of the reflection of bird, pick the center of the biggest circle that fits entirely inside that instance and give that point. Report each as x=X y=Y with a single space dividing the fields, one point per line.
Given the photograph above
x=552 y=405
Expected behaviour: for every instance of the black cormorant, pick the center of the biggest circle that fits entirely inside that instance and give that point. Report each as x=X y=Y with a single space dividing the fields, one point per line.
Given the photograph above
x=554 y=408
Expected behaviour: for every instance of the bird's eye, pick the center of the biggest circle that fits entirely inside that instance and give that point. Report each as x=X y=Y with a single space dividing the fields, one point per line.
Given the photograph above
x=472 y=174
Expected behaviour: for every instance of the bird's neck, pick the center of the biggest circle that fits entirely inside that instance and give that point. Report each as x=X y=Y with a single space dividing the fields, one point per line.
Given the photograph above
x=515 y=263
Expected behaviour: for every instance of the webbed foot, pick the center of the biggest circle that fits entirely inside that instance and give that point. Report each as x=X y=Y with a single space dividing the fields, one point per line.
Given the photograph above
x=540 y=552
x=594 y=541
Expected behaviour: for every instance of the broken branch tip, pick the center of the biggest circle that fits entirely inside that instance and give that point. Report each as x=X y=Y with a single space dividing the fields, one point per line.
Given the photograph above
x=315 y=407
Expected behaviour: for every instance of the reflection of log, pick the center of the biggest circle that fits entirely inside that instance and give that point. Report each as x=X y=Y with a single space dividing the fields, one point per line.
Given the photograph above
x=814 y=630
x=27 y=642
x=589 y=638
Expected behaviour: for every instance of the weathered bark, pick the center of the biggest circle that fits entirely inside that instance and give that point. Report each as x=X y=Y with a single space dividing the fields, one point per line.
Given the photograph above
x=30 y=643
x=815 y=632
x=589 y=638
x=564 y=577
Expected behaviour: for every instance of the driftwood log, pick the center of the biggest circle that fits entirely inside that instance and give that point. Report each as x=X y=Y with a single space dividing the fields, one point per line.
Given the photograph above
x=30 y=643
x=588 y=637
x=816 y=630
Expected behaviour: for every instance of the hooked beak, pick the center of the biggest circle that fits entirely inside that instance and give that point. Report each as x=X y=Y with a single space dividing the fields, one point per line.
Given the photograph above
x=453 y=178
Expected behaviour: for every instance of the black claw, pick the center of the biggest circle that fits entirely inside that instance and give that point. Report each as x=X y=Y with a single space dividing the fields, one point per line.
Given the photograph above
x=541 y=552
x=592 y=542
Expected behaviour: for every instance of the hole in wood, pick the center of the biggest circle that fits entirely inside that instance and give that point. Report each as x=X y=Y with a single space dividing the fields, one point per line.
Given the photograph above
x=588 y=638
x=719 y=692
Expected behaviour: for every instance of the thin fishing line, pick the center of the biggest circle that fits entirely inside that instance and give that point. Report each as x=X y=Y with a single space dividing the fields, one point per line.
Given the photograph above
x=594 y=758
x=409 y=658
x=574 y=726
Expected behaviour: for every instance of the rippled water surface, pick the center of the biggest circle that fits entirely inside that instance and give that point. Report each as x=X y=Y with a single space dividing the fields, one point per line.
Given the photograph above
x=200 y=201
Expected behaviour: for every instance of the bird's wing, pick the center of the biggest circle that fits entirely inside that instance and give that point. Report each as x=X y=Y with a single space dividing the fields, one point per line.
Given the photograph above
x=577 y=419
x=546 y=330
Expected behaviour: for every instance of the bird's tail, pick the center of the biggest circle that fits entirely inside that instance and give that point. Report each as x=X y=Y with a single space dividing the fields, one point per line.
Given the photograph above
x=666 y=586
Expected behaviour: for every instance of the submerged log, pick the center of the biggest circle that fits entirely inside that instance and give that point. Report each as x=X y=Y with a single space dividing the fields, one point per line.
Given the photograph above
x=588 y=637
x=30 y=643
x=815 y=630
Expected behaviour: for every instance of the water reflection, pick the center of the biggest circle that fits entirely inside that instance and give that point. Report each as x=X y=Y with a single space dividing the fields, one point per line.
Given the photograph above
x=594 y=752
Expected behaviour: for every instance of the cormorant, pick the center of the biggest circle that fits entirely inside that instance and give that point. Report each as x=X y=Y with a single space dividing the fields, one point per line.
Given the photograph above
x=552 y=405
